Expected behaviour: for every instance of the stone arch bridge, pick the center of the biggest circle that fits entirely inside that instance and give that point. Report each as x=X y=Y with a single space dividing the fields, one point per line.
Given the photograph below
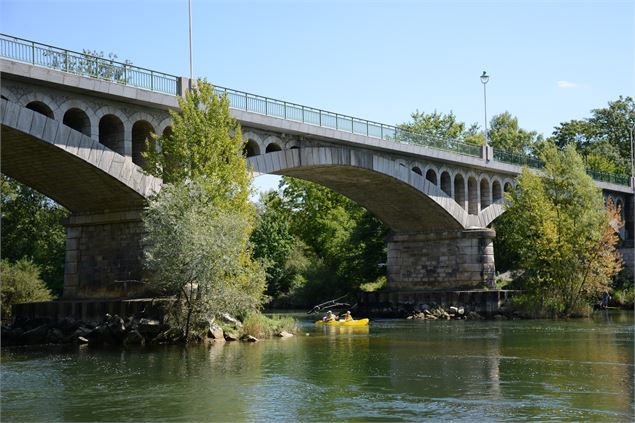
x=79 y=140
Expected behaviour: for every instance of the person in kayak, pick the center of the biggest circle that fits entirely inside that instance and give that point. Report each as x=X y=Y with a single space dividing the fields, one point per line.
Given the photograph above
x=348 y=317
x=330 y=317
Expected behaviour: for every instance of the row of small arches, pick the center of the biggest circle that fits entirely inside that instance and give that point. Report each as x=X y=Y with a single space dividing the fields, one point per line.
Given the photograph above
x=110 y=128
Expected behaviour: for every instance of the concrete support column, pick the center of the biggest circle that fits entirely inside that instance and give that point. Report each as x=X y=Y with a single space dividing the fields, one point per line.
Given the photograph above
x=441 y=260
x=103 y=255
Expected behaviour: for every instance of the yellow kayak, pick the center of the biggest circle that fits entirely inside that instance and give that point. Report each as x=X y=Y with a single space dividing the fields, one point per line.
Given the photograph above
x=359 y=322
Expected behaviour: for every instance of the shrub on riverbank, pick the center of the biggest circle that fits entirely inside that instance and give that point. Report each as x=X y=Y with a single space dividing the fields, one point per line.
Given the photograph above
x=261 y=326
x=21 y=283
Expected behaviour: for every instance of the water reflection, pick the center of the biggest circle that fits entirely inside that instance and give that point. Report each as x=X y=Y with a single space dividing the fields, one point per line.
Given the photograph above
x=392 y=370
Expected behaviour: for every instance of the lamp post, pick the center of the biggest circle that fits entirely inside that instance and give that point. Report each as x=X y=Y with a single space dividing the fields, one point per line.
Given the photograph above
x=190 y=28
x=632 y=161
x=484 y=79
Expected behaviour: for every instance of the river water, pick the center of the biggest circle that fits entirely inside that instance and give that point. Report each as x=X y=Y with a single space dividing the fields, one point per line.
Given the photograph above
x=395 y=370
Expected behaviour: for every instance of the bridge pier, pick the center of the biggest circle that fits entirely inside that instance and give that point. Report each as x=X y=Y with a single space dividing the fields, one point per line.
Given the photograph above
x=103 y=255
x=441 y=260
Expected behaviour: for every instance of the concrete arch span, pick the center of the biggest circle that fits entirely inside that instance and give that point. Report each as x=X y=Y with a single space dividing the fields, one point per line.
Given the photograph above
x=402 y=199
x=67 y=166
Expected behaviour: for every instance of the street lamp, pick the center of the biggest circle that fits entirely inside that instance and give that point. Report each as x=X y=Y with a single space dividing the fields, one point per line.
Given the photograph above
x=632 y=161
x=484 y=79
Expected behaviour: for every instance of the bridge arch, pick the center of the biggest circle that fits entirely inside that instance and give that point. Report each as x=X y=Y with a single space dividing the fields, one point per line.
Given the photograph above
x=112 y=133
x=41 y=107
x=78 y=120
x=431 y=175
x=87 y=112
x=141 y=131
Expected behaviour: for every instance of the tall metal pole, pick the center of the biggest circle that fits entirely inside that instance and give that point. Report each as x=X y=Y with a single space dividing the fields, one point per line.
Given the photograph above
x=632 y=158
x=190 y=16
x=484 y=79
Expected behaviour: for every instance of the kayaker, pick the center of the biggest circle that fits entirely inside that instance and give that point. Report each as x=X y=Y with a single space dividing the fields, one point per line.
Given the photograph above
x=348 y=317
x=330 y=317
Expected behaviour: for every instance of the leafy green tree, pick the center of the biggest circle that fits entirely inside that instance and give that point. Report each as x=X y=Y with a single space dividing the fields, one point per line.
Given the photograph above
x=506 y=134
x=21 y=283
x=198 y=226
x=604 y=137
x=439 y=129
x=199 y=252
x=32 y=228
x=562 y=234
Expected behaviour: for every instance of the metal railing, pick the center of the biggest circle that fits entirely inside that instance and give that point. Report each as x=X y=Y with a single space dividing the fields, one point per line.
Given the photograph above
x=290 y=111
x=124 y=73
x=86 y=65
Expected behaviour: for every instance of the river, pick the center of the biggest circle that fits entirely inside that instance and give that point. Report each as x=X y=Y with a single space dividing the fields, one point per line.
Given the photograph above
x=395 y=370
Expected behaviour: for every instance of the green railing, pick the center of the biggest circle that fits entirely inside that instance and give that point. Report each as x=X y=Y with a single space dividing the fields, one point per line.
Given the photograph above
x=290 y=111
x=86 y=65
x=524 y=160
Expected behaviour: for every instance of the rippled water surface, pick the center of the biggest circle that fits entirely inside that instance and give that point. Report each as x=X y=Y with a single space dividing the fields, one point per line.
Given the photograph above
x=395 y=370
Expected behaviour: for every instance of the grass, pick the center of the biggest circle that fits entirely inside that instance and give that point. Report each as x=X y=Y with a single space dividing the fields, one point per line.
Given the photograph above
x=261 y=326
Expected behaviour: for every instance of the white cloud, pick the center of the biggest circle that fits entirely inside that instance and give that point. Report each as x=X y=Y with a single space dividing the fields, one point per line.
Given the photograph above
x=567 y=85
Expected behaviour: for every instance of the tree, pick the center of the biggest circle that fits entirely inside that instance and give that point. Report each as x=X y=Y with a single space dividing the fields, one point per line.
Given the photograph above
x=32 y=228
x=439 y=129
x=21 y=283
x=562 y=234
x=604 y=138
x=505 y=134
x=199 y=252
x=198 y=225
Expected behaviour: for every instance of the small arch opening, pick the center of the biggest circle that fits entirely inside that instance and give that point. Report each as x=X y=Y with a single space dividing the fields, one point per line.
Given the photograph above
x=271 y=147
x=41 y=108
x=485 y=194
x=295 y=147
x=459 y=190
x=417 y=170
x=431 y=176
x=508 y=187
x=78 y=120
x=251 y=148
x=141 y=131
x=111 y=133
x=446 y=183
x=497 y=192
x=472 y=193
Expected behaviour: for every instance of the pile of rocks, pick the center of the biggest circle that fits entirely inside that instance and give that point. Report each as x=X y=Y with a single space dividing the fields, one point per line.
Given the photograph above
x=436 y=312
x=115 y=331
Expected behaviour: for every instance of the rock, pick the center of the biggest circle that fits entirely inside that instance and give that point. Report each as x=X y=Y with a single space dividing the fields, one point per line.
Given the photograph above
x=37 y=335
x=500 y=317
x=215 y=332
x=472 y=315
x=55 y=336
x=81 y=340
x=134 y=337
x=68 y=324
x=171 y=335
x=149 y=327
x=424 y=307
x=432 y=317
x=250 y=338
x=461 y=311
x=284 y=334
x=454 y=310
x=116 y=325
x=82 y=331
x=231 y=336
x=231 y=320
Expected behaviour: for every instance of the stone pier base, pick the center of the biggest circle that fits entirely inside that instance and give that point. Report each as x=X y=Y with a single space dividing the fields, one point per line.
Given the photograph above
x=104 y=255
x=441 y=260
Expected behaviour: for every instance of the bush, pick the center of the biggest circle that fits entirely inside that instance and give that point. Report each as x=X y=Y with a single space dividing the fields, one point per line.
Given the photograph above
x=261 y=326
x=21 y=283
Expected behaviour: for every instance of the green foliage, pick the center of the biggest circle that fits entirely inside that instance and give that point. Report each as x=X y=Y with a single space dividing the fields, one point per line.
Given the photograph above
x=439 y=129
x=505 y=134
x=32 y=228
x=322 y=244
x=559 y=229
x=604 y=138
x=21 y=283
x=91 y=62
x=198 y=226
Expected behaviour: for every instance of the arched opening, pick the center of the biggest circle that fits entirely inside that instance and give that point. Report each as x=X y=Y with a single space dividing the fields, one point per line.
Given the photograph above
x=497 y=193
x=251 y=148
x=431 y=176
x=4 y=98
x=141 y=131
x=417 y=170
x=459 y=190
x=508 y=187
x=446 y=183
x=295 y=147
x=78 y=120
x=111 y=133
x=472 y=193
x=271 y=147
x=38 y=106
x=485 y=194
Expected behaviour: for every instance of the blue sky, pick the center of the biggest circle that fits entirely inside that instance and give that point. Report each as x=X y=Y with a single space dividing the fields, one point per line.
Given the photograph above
x=549 y=61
